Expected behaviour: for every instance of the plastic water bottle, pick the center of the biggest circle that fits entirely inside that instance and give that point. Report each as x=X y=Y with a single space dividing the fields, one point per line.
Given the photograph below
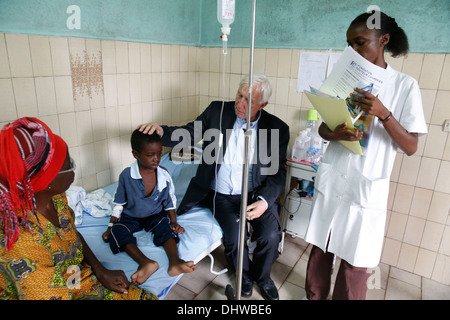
x=312 y=125
x=301 y=145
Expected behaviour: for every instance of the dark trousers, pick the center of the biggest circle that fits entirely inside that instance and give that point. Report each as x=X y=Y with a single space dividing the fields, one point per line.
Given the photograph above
x=266 y=232
x=122 y=232
x=351 y=282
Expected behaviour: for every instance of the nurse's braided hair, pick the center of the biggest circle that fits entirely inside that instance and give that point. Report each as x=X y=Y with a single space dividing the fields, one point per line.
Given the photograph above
x=398 y=43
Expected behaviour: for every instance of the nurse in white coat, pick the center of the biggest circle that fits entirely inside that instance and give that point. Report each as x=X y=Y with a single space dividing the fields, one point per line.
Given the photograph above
x=351 y=191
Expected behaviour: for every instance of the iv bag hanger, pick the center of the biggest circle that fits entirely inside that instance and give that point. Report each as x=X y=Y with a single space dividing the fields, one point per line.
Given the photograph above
x=229 y=291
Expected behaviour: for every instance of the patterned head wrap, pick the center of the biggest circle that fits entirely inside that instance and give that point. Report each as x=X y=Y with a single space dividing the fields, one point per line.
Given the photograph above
x=30 y=158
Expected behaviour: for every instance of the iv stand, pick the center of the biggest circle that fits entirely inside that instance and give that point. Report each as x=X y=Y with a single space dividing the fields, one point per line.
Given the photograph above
x=243 y=219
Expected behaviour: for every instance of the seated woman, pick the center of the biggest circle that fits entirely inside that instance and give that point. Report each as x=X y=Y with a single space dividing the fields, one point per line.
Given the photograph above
x=42 y=256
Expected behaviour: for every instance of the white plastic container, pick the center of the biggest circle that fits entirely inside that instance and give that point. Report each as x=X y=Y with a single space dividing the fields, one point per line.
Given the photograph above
x=301 y=146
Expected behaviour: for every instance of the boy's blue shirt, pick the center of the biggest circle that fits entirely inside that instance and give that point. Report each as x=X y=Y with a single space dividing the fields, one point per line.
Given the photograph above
x=130 y=193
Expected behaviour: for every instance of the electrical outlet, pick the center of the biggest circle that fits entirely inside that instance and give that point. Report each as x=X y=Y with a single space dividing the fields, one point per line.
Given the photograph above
x=447 y=126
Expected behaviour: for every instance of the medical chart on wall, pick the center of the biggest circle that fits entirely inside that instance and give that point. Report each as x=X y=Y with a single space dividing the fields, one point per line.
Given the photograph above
x=314 y=67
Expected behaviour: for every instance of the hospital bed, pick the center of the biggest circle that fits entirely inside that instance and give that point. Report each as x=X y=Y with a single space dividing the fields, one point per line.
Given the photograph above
x=202 y=234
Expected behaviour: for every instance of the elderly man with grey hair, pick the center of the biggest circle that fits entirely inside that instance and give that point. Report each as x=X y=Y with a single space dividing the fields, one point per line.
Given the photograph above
x=218 y=181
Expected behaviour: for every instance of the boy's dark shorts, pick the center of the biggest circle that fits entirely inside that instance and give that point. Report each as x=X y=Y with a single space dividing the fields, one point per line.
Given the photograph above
x=123 y=230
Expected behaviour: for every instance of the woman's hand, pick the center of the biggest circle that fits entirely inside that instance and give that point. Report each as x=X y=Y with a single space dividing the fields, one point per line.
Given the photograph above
x=341 y=132
x=369 y=103
x=115 y=280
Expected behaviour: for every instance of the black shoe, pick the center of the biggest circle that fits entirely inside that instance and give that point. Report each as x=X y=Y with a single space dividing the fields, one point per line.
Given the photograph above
x=269 y=290
x=247 y=287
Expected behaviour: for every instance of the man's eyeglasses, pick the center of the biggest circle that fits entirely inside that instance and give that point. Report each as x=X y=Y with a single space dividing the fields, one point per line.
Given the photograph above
x=72 y=165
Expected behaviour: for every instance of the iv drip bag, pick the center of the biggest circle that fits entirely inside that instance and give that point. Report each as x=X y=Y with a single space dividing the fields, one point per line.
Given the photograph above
x=225 y=14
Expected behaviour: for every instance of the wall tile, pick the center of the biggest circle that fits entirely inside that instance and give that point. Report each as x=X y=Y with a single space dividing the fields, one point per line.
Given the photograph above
x=19 y=55
x=64 y=94
x=444 y=82
x=25 y=97
x=122 y=57
x=175 y=58
x=271 y=62
x=135 y=88
x=87 y=161
x=439 y=207
x=425 y=263
x=46 y=97
x=409 y=170
x=428 y=99
x=156 y=86
x=428 y=173
x=166 y=88
x=108 y=48
x=421 y=202
x=40 y=56
x=441 y=109
x=412 y=65
x=282 y=91
x=235 y=60
x=156 y=57
x=432 y=235
x=435 y=142
x=403 y=198
x=391 y=251
x=431 y=71
x=146 y=87
x=84 y=127
x=166 y=58
x=7 y=104
x=137 y=115
x=59 y=48
x=124 y=120
x=134 y=56
x=284 y=63
x=259 y=60
x=4 y=62
x=98 y=117
x=146 y=57
x=407 y=257
x=123 y=89
x=100 y=152
x=441 y=270
x=414 y=230
x=443 y=181
x=445 y=243
x=397 y=225
x=68 y=128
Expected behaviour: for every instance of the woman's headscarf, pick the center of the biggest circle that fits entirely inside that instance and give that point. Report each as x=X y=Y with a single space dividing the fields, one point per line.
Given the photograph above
x=30 y=158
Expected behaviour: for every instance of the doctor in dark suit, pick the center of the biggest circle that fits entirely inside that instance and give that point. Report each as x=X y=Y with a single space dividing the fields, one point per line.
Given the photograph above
x=218 y=181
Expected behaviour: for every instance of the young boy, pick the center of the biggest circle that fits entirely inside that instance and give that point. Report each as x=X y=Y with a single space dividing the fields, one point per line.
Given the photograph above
x=146 y=194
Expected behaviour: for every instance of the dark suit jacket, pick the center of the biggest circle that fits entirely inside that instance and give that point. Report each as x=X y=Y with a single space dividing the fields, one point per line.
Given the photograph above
x=268 y=186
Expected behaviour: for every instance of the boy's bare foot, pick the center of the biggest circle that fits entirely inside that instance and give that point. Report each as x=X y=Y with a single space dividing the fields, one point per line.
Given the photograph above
x=180 y=267
x=144 y=271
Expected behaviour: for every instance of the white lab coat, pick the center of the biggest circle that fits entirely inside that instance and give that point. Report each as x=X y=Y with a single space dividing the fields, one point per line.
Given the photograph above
x=351 y=191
